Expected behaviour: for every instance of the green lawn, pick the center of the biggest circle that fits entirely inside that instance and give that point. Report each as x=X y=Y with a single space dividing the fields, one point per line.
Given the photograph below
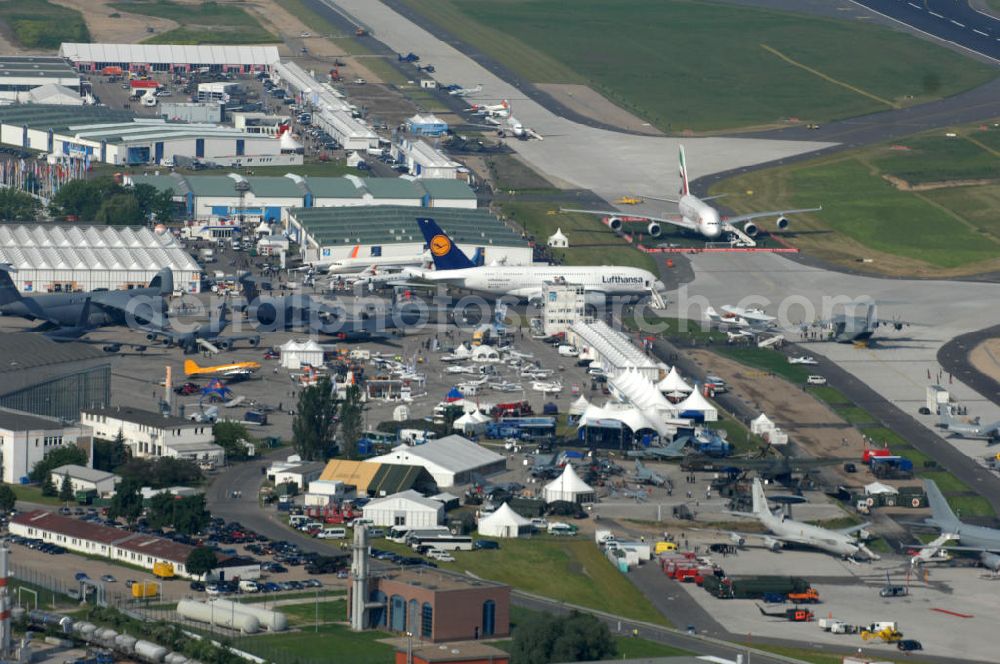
x=572 y=570
x=327 y=643
x=590 y=241
x=305 y=613
x=674 y=328
x=937 y=158
x=703 y=55
x=766 y=360
x=33 y=494
x=976 y=205
x=42 y=24
x=830 y=395
x=856 y=416
x=203 y=23
x=511 y=174
x=971 y=506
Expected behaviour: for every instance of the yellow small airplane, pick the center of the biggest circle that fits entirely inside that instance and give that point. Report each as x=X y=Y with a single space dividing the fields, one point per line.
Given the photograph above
x=629 y=200
x=191 y=368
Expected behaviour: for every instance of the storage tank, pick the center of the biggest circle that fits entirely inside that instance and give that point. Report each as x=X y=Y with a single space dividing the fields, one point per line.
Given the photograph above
x=150 y=651
x=175 y=658
x=273 y=621
x=85 y=629
x=106 y=635
x=222 y=616
x=126 y=643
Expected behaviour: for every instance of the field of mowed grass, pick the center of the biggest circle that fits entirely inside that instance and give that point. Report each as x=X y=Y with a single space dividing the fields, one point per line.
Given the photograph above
x=681 y=64
x=204 y=23
x=939 y=158
x=572 y=570
x=590 y=241
x=316 y=645
x=42 y=24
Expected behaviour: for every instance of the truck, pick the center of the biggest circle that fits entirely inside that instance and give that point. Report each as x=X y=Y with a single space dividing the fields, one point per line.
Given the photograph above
x=145 y=589
x=754 y=587
x=164 y=570
x=835 y=626
x=807 y=596
x=255 y=417
x=892 y=467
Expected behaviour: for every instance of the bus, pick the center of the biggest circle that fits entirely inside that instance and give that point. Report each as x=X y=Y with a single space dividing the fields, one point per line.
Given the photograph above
x=443 y=542
x=402 y=534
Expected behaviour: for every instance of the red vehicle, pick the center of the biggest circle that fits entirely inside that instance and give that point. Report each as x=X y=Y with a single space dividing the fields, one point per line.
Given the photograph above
x=512 y=409
x=139 y=84
x=271 y=355
x=187 y=389
x=866 y=456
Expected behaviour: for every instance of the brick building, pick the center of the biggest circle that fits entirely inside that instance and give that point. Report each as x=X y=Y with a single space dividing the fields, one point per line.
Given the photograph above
x=469 y=652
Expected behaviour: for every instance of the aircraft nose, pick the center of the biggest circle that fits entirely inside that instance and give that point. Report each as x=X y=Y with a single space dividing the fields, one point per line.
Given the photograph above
x=659 y=286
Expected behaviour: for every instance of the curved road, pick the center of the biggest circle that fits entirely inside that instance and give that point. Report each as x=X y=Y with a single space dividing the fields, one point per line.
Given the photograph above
x=954 y=357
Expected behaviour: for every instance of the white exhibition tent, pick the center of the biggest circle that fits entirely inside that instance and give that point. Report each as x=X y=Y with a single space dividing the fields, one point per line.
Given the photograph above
x=761 y=425
x=469 y=424
x=568 y=487
x=879 y=489
x=296 y=354
x=696 y=403
x=504 y=522
x=626 y=413
x=485 y=353
x=558 y=240
x=673 y=385
x=579 y=407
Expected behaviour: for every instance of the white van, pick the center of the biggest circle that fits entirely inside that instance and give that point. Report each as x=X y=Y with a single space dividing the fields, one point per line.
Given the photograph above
x=249 y=586
x=332 y=533
x=296 y=520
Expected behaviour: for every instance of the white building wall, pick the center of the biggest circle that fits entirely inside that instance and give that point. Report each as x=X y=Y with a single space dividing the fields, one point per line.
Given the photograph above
x=411 y=514
x=145 y=441
x=23 y=449
x=75 y=544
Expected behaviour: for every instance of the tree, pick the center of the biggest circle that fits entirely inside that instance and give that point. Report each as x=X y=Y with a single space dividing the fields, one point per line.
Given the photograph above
x=577 y=637
x=110 y=454
x=160 y=512
x=201 y=560
x=351 y=423
x=315 y=421
x=119 y=210
x=83 y=198
x=230 y=436
x=66 y=489
x=161 y=472
x=154 y=203
x=127 y=501
x=18 y=206
x=49 y=487
x=60 y=456
x=7 y=499
x=190 y=514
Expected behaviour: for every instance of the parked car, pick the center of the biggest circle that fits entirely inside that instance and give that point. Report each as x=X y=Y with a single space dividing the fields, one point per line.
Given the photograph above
x=485 y=544
x=197 y=586
x=816 y=380
x=909 y=645
x=107 y=578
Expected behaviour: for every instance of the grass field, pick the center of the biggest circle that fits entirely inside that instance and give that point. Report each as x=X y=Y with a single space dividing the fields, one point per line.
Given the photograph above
x=590 y=241
x=42 y=24
x=305 y=614
x=204 y=23
x=33 y=494
x=766 y=360
x=945 y=231
x=681 y=63
x=572 y=570
x=318 y=645
x=511 y=174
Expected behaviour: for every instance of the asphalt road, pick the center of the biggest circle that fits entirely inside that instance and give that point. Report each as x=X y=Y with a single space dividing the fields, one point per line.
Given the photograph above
x=950 y=20
x=954 y=357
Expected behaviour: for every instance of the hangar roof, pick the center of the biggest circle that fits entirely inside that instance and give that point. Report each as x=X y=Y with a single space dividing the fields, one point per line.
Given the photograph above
x=386 y=224
x=53 y=116
x=277 y=187
x=392 y=188
x=448 y=189
x=171 y=54
x=334 y=188
x=24 y=351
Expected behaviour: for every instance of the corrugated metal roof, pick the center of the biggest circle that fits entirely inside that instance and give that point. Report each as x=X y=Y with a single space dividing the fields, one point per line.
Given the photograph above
x=333 y=188
x=453 y=453
x=24 y=351
x=18 y=420
x=204 y=54
x=393 y=188
x=277 y=187
x=447 y=189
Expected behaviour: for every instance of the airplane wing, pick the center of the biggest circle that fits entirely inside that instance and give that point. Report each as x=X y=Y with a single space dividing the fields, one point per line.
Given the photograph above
x=637 y=218
x=772 y=213
x=122 y=302
x=853 y=529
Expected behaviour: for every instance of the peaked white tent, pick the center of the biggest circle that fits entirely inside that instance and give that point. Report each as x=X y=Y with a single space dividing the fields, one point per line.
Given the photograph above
x=673 y=385
x=485 y=353
x=505 y=522
x=697 y=404
x=568 y=487
x=579 y=407
x=558 y=240
x=469 y=424
x=878 y=489
x=761 y=425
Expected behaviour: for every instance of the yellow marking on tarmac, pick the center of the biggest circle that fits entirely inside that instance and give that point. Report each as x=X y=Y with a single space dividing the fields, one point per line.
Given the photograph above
x=825 y=77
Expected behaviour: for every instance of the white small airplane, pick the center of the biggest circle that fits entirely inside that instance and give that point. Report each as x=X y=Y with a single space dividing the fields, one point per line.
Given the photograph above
x=464 y=92
x=698 y=216
x=934 y=551
x=501 y=110
x=803 y=359
x=740 y=317
x=511 y=126
x=546 y=387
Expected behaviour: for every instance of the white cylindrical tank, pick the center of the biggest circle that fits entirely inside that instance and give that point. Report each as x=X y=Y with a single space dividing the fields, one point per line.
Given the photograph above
x=126 y=643
x=273 y=621
x=214 y=613
x=175 y=658
x=106 y=635
x=85 y=629
x=150 y=651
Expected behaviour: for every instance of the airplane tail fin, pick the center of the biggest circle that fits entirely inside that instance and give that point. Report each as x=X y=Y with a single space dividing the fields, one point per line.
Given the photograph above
x=446 y=254
x=354 y=252
x=84 y=321
x=8 y=291
x=249 y=288
x=164 y=280
x=685 y=190
x=944 y=517
x=191 y=367
x=759 y=499
x=871 y=317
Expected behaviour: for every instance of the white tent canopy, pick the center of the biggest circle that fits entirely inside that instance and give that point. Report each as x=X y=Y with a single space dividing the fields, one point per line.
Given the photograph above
x=469 y=423
x=761 y=425
x=673 y=383
x=558 y=239
x=579 y=407
x=568 y=487
x=878 y=489
x=505 y=522
x=697 y=403
x=485 y=353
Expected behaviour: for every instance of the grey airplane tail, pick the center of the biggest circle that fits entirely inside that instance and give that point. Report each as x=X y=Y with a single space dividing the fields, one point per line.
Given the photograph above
x=164 y=280
x=944 y=518
x=249 y=288
x=8 y=291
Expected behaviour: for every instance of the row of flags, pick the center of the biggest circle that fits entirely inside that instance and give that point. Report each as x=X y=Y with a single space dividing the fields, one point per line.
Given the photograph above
x=42 y=178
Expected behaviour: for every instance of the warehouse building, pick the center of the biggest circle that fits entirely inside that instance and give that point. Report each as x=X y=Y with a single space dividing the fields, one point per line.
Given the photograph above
x=148 y=434
x=426 y=125
x=425 y=161
x=44 y=377
x=329 y=234
x=170 y=57
x=408 y=508
x=25 y=439
x=97 y=133
x=436 y=607
x=20 y=75
x=255 y=198
x=184 y=111
x=69 y=258
x=450 y=460
x=117 y=544
x=84 y=480
x=378 y=479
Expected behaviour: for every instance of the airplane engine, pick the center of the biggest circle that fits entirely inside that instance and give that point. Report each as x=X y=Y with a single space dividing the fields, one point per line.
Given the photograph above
x=737 y=539
x=223 y=345
x=782 y=223
x=254 y=342
x=990 y=561
x=751 y=229
x=150 y=337
x=772 y=543
x=615 y=224
x=263 y=313
x=654 y=229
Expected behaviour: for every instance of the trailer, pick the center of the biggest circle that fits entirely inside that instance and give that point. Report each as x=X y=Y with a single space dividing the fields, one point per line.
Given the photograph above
x=754 y=587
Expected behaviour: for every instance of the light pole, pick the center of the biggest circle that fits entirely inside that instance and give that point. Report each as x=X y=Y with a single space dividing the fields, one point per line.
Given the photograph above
x=409 y=648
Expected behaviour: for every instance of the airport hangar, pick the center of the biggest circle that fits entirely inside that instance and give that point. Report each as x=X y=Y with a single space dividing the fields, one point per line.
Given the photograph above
x=331 y=233
x=215 y=197
x=98 y=133
x=170 y=57
x=22 y=74
x=62 y=258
